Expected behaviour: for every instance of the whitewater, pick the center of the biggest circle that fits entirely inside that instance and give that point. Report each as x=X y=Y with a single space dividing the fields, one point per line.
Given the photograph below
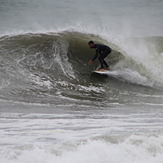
x=54 y=109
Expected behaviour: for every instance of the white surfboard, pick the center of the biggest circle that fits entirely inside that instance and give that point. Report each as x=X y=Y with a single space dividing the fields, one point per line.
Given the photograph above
x=101 y=72
x=107 y=72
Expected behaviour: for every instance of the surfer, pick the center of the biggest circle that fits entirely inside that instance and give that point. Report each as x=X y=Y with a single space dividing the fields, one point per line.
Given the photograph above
x=102 y=51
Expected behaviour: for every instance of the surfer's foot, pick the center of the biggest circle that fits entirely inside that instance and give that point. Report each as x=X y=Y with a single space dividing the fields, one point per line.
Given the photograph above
x=107 y=68
x=101 y=69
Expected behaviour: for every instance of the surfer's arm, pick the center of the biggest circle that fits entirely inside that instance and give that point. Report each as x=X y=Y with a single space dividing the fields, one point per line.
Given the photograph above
x=90 y=62
x=97 y=54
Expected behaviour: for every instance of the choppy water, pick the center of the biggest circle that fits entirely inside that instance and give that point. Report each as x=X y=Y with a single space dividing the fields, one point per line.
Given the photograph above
x=53 y=109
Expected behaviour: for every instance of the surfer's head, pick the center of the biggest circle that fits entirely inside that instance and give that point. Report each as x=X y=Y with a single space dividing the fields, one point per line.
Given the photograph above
x=91 y=44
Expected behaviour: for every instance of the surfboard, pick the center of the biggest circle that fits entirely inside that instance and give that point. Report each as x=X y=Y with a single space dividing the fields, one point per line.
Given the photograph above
x=104 y=72
x=112 y=73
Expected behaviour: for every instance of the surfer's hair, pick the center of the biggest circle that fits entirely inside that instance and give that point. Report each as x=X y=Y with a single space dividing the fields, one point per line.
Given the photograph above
x=90 y=42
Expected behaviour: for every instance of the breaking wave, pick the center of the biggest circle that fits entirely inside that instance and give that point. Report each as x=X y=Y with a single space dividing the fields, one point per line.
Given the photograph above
x=50 y=62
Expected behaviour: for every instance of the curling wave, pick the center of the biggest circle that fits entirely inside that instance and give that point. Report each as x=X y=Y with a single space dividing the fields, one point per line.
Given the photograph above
x=33 y=65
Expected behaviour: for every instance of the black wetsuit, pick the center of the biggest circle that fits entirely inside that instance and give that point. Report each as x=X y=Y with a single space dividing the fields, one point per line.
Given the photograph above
x=102 y=51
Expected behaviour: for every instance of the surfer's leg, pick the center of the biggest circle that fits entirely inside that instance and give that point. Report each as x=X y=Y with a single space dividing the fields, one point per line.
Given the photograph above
x=101 y=62
x=106 y=65
x=101 y=58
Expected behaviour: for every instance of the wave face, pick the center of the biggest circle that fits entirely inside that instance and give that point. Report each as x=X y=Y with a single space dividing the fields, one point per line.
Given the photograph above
x=54 y=109
x=36 y=65
x=50 y=62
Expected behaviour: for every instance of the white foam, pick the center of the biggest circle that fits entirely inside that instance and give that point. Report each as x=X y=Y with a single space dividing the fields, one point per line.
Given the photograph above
x=129 y=75
x=43 y=83
x=90 y=88
x=63 y=61
x=4 y=83
x=135 y=149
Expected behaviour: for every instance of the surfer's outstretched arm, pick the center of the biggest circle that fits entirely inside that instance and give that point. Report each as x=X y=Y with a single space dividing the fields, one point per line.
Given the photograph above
x=95 y=57
x=90 y=62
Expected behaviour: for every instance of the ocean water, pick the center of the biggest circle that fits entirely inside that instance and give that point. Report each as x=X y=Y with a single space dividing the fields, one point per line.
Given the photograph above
x=54 y=109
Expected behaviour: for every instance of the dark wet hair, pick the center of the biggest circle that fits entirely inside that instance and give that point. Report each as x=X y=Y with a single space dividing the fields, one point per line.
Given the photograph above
x=90 y=42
